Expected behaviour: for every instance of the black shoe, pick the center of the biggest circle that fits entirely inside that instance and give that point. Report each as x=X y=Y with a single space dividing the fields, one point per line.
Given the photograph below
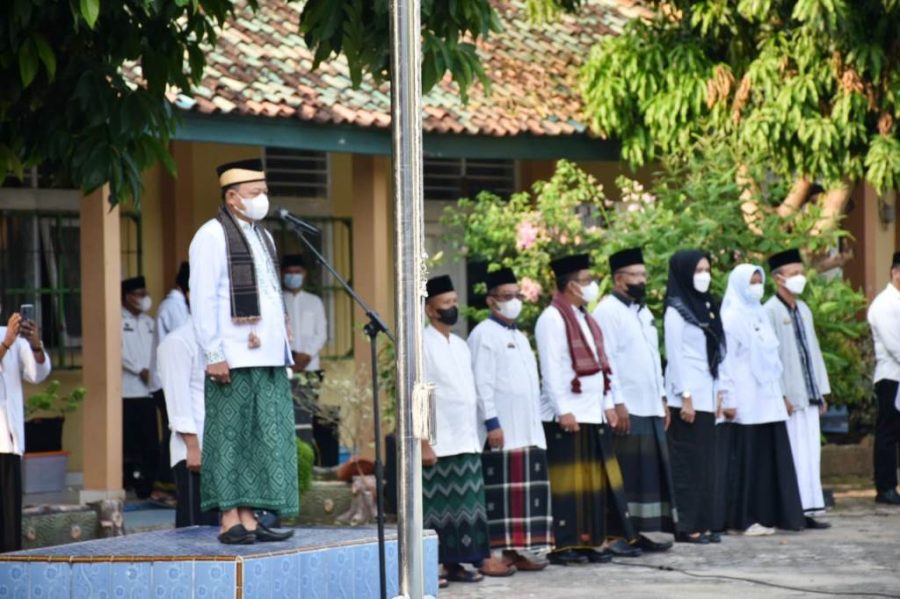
x=603 y=556
x=237 y=535
x=684 y=537
x=889 y=497
x=713 y=537
x=267 y=535
x=567 y=558
x=817 y=524
x=623 y=548
x=648 y=545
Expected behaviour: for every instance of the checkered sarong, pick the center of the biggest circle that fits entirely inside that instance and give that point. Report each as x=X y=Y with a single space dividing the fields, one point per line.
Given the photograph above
x=517 y=497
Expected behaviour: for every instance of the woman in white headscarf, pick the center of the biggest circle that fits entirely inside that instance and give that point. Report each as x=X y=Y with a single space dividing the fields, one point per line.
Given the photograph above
x=763 y=492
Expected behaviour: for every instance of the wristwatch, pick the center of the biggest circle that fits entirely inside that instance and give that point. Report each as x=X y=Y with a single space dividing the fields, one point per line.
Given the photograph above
x=39 y=348
x=686 y=395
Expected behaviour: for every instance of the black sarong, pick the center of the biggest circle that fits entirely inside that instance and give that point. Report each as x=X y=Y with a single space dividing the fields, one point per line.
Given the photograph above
x=643 y=455
x=589 y=504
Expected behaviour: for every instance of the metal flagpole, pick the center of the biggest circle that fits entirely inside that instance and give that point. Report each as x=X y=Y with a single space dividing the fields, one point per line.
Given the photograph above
x=412 y=396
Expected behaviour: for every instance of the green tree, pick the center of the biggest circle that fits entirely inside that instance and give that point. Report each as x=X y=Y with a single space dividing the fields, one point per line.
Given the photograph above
x=694 y=204
x=810 y=88
x=66 y=104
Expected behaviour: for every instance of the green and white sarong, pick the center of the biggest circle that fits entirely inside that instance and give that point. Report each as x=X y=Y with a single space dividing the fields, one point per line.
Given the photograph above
x=249 y=451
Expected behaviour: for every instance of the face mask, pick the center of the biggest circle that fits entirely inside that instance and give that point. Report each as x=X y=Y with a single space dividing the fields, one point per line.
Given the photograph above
x=448 y=316
x=145 y=303
x=590 y=292
x=795 y=284
x=756 y=291
x=256 y=208
x=511 y=309
x=637 y=292
x=702 y=281
x=293 y=280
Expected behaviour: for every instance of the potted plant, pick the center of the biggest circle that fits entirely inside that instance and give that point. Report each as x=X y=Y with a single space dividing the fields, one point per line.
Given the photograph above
x=45 y=462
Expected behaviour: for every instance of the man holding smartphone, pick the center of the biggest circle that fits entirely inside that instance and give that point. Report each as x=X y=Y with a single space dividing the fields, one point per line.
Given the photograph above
x=22 y=357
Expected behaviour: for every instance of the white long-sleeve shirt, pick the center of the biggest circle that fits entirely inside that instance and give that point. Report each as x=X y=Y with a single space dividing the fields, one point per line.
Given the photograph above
x=137 y=349
x=632 y=345
x=306 y=313
x=687 y=368
x=507 y=383
x=19 y=364
x=448 y=366
x=884 y=318
x=173 y=312
x=220 y=337
x=755 y=393
x=793 y=378
x=182 y=370
x=557 y=397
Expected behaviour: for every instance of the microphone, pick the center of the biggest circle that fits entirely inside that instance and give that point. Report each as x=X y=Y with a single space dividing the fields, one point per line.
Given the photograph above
x=301 y=224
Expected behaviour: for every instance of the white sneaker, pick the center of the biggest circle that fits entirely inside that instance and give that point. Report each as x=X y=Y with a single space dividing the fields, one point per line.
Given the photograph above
x=758 y=530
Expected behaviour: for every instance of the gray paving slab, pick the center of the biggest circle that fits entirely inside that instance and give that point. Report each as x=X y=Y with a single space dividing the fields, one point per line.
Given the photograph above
x=860 y=554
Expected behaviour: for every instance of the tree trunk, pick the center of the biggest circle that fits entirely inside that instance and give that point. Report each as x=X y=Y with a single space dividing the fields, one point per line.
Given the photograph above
x=833 y=203
x=750 y=207
x=795 y=197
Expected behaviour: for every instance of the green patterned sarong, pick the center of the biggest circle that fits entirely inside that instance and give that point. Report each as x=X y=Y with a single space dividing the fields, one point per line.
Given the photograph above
x=249 y=451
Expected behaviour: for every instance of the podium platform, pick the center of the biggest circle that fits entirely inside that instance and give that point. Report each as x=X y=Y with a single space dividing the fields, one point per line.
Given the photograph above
x=190 y=563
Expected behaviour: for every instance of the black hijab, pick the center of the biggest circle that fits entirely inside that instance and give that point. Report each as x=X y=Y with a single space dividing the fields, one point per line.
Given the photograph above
x=699 y=309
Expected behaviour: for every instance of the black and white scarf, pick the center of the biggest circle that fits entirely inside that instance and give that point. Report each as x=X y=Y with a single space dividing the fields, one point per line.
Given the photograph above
x=241 y=268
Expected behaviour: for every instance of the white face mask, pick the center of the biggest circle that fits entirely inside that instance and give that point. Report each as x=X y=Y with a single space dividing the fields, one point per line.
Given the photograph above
x=511 y=309
x=256 y=208
x=702 y=281
x=795 y=284
x=756 y=291
x=293 y=280
x=590 y=292
x=145 y=303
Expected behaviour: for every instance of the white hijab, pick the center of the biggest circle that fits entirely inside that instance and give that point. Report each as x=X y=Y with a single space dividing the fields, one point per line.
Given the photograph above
x=746 y=320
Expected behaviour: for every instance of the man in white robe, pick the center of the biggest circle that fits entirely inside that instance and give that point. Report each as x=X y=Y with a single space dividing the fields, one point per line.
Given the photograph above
x=804 y=378
x=452 y=481
x=517 y=490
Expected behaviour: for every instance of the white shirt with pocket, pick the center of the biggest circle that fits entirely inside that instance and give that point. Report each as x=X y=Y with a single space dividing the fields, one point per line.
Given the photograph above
x=137 y=349
x=687 y=369
x=309 y=328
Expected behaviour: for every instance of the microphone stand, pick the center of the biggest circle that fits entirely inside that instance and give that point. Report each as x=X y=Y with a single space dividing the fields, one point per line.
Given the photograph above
x=372 y=329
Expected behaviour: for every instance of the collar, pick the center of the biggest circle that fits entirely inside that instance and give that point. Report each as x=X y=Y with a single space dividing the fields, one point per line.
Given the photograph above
x=893 y=290
x=787 y=305
x=623 y=298
x=505 y=325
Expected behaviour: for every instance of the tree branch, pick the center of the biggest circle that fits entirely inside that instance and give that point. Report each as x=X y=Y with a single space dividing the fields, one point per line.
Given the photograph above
x=795 y=197
x=832 y=204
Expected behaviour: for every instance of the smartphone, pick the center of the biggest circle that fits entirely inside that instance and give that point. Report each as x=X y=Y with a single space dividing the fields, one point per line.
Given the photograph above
x=27 y=312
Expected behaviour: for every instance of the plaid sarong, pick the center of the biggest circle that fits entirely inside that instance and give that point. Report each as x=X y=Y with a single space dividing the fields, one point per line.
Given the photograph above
x=241 y=270
x=589 y=505
x=453 y=494
x=643 y=455
x=517 y=496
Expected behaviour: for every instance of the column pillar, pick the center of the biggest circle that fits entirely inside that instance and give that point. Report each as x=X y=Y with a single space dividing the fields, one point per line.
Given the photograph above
x=178 y=210
x=101 y=318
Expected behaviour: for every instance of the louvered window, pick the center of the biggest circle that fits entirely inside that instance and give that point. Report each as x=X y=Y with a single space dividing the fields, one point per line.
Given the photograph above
x=454 y=178
x=296 y=173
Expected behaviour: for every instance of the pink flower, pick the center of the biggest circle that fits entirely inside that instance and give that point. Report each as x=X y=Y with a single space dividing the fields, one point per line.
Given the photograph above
x=530 y=288
x=526 y=235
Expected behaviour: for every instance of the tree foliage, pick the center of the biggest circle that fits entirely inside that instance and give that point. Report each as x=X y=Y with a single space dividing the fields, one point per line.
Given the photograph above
x=691 y=205
x=65 y=103
x=810 y=86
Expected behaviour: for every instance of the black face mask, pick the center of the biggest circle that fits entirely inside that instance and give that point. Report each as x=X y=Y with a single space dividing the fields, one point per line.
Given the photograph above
x=448 y=316
x=638 y=292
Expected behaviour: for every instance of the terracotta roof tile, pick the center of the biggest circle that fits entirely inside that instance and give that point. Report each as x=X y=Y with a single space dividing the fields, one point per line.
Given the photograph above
x=261 y=66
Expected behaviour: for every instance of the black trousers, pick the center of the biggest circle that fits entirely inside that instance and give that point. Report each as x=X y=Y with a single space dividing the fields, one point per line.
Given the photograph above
x=187 y=492
x=140 y=441
x=887 y=436
x=10 y=502
x=163 y=473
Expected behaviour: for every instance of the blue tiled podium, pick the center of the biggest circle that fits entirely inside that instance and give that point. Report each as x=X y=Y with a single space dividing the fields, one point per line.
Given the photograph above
x=189 y=563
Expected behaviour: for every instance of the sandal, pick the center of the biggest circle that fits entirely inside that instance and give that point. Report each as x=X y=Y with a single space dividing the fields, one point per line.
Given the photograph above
x=443 y=583
x=460 y=574
x=696 y=538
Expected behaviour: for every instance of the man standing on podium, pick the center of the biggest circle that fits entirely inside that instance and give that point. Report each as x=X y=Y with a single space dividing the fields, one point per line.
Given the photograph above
x=249 y=457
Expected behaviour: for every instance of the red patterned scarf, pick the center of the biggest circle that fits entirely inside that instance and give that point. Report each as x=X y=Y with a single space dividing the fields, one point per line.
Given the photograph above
x=584 y=362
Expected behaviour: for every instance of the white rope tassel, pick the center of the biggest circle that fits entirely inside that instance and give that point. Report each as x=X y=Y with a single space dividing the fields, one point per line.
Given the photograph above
x=423 y=412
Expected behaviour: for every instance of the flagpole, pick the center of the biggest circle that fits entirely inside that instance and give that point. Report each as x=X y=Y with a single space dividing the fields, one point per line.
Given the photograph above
x=412 y=403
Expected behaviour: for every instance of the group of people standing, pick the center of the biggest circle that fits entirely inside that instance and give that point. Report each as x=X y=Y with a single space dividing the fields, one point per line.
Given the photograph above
x=577 y=460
